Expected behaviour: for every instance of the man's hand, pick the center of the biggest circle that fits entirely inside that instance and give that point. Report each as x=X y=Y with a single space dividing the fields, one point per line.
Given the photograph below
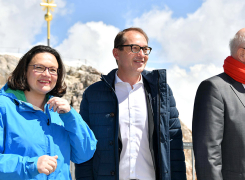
x=59 y=104
x=47 y=164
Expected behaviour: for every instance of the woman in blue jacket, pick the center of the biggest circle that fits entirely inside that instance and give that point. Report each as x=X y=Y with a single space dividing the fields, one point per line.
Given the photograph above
x=39 y=132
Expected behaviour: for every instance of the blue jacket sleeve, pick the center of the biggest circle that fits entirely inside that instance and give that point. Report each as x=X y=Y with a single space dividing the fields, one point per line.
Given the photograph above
x=82 y=139
x=177 y=157
x=84 y=171
x=14 y=166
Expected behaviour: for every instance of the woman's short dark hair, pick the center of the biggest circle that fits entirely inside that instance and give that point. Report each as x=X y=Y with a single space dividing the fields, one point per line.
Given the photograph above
x=18 y=78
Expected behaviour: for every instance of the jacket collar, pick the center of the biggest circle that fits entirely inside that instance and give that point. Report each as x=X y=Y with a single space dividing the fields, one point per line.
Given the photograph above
x=110 y=77
x=239 y=90
x=150 y=76
x=23 y=106
x=9 y=95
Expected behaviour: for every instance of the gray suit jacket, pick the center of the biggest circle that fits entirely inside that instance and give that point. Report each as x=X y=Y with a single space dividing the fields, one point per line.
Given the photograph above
x=219 y=129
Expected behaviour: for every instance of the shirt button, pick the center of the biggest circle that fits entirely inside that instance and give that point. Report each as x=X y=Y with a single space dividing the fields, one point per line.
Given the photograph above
x=112 y=173
x=112 y=114
x=111 y=143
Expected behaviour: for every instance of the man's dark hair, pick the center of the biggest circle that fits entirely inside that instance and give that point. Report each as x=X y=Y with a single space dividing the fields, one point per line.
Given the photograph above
x=18 y=78
x=121 y=39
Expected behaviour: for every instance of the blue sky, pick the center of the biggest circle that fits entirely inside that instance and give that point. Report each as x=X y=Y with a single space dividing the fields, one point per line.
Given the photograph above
x=115 y=13
x=189 y=38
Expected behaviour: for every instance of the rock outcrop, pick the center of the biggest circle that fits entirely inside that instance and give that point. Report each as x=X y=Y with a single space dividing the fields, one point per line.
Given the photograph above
x=77 y=79
x=7 y=65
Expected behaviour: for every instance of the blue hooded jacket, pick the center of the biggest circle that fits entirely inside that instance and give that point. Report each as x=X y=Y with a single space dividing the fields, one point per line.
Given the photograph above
x=26 y=133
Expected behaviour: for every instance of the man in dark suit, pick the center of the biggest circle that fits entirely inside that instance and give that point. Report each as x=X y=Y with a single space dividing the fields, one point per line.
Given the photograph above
x=219 y=119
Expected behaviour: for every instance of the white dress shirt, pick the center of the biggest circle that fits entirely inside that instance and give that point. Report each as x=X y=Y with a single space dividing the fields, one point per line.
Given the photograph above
x=135 y=160
x=243 y=85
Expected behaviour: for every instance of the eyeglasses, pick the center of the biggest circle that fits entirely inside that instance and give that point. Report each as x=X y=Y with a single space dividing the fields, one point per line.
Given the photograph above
x=40 y=69
x=136 y=48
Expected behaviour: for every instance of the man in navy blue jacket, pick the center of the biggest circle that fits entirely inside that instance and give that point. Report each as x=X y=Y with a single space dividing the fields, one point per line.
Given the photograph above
x=133 y=114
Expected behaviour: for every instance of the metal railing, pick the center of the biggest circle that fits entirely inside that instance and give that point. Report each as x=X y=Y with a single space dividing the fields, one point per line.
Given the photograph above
x=188 y=145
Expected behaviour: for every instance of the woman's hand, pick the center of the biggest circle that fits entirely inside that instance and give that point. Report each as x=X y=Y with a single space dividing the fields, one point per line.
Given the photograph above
x=59 y=104
x=47 y=164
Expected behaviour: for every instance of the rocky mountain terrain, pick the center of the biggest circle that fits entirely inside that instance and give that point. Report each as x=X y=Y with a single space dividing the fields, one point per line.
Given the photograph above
x=77 y=79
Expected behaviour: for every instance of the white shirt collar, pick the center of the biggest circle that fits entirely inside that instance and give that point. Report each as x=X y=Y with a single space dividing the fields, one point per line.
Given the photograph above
x=118 y=80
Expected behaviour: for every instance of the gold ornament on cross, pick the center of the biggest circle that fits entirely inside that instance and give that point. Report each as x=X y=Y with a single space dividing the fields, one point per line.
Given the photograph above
x=48 y=17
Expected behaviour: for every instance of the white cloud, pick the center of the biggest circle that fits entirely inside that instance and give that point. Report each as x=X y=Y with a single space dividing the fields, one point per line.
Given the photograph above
x=184 y=85
x=92 y=42
x=195 y=46
x=201 y=37
x=20 y=22
x=63 y=7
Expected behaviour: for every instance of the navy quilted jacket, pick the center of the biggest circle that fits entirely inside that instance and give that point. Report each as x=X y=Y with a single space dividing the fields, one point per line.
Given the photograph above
x=99 y=108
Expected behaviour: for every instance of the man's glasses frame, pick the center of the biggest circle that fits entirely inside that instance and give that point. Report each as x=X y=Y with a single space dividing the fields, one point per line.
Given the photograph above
x=41 y=68
x=136 y=48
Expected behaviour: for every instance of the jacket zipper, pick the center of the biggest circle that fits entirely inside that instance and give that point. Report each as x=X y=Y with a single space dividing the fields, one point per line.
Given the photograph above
x=115 y=149
x=159 y=128
x=46 y=112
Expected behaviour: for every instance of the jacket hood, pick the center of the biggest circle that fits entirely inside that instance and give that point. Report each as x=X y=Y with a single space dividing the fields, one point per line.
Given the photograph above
x=9 y=95
x=24 y=105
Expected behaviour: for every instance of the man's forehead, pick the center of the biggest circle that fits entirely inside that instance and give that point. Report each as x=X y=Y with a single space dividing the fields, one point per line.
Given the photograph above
x=135 y=36
x=133 y=33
